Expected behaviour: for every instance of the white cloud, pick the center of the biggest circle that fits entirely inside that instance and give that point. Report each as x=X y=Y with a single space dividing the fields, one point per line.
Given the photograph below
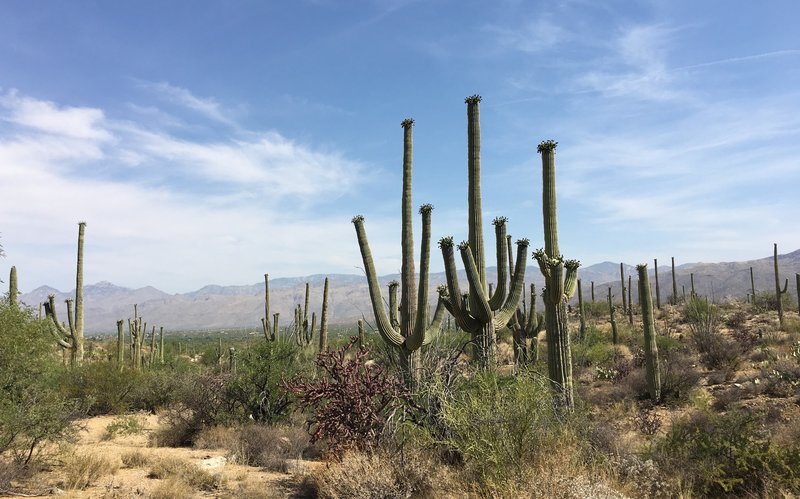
x=209 y=108
x=44 y=116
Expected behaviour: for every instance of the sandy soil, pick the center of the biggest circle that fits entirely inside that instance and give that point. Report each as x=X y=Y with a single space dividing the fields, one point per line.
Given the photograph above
x=133 y=481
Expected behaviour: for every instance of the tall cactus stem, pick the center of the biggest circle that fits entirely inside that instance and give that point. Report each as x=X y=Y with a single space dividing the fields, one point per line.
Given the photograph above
x=752 y=286
x=674 y=284
x=658 y=289
x=612 y=318
x=161 y=345
x=323 y=323
x=13 y=289
x=269 y=334
x=120 y=345
x=650 y=345
x=622 y=279
x=581 y=312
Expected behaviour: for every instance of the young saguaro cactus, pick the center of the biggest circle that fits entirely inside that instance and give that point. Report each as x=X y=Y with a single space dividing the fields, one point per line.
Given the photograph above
x=482 y=314
x=120 y=345
x=71 y=339
x=561 y=278
x=411 y=330
x=526 y=324
x=650 y=346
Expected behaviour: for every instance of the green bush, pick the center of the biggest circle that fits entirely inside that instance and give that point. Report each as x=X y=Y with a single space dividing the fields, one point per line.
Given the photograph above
x=727 y=455
x=33 y=411
x=255 y=389
x=503 y=426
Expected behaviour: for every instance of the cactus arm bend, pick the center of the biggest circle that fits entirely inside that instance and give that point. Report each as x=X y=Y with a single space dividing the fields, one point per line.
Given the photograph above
x=436 y=323
x=505 y=314
x=499 y=297
x=571 y=278
x=478 y=298
x=58 y=331
x=454 y=304
x=417 y=337
x=384 y=325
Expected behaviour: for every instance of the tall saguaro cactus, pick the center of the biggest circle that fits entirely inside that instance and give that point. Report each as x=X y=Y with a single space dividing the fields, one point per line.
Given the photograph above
x=120 y=345
x=411 y=330
x=658 y=289
x=622 y=279
x=674 y=284
x=72 y=338
x=269 y=333
x=778 y=291
x=303 y=330
x=650 y=345
x=323 y=323
x=561 y=277
x=482 y=314
x=13 y=290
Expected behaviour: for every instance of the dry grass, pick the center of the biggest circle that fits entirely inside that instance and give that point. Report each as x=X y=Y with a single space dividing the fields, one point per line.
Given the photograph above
x=82 y=470
x=135 y=459
x=270 y=446
x=172 y=467
x=217 y=437
x=172 y=488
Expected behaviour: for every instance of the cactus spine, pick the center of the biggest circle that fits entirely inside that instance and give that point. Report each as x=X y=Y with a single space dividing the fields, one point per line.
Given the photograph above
x=650 y=345
x=560 y=282
x=411 y=330
x=269 y=333
x=778 y=291
x=72 y=339
x=481 y=314
x=13 y=290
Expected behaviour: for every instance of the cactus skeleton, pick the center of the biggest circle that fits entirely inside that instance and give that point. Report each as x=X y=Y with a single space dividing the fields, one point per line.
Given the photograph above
x=71 y=339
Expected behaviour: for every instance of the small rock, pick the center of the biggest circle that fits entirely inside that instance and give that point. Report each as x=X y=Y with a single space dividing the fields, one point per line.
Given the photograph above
x=214 y=462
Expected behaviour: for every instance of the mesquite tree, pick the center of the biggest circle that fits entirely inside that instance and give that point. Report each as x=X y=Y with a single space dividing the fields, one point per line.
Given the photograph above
x=71 y=339
x=561 y=278
x=411 y=330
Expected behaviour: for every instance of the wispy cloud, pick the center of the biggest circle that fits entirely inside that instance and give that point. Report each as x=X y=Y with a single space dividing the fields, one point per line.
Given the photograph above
x=207 y=107
x=533 y=36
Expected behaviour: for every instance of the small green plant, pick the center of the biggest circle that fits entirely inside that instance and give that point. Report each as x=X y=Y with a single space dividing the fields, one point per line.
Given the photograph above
x=124 y=426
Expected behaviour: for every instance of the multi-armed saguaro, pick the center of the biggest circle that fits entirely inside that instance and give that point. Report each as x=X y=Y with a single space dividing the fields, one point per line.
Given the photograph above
x=269 y=332
x=561 y=278
x=73 y=338
x=411 y=330
x=481 y=314
x=303 y=330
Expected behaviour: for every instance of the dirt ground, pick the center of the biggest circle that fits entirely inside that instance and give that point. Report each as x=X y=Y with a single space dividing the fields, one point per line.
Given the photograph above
x=133 y=482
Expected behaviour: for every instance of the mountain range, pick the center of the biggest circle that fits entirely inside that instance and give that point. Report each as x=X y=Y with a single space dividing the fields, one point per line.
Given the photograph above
x=218 y=307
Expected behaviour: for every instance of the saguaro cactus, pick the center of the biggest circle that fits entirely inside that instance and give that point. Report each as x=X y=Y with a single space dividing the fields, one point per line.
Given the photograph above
x=778 y=291
x=72 y=339
x=526 y=325
x=137 y=329
x=752 y=287
x=797 y=288
x=622 y=279
x=674 y=284
x=323 y=323
x=120 y=345
x=269 y=333
x=411 y=330
x=13 y=291
x=161 y=345
x=612 y=318
x=650 y=345
x=481 y=314
x=303 y=329
x=658 y=289
x=561 y=278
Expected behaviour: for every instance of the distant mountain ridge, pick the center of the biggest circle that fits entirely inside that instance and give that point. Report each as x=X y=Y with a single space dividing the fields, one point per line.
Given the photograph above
x=242 y=306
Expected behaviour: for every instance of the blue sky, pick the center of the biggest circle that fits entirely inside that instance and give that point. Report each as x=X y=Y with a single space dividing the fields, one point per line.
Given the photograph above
x=210 y=142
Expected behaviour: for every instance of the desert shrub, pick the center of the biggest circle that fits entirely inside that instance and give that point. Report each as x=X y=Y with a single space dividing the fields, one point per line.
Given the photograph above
x=270 y=446
x=124 y=425
x=33 y=410
x=351 y=403
x=727 y=454
x=593 y=350
x=256 y=387
x=217 y=437
x=102 y=387
x=82 y=470
x=194 y=476
x=678 y=374
x=160 y=387
x=172 y=488
x=781 y=379
x=370 y=475
x=716 y=351
x=502 y=426
x=135 y=459
x=203 y=403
